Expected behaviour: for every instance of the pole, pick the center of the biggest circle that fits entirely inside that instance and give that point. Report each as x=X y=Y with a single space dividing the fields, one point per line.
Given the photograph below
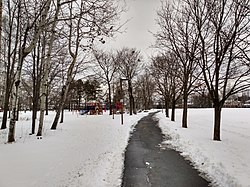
x=122 y=114
x=113 y=101
x=121 y=101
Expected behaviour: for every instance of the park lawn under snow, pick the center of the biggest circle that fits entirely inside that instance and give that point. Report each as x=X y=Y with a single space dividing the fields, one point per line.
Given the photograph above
x=84 y=151
x=88 y=151
x=226 y=162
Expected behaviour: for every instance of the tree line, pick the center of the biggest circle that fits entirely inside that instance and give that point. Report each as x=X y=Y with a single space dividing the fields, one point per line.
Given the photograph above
x=202 y=48
x=203 y=44
x=44 y=44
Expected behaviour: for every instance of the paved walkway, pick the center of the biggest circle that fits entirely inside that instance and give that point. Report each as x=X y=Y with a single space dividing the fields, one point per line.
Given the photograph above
x=146 y=164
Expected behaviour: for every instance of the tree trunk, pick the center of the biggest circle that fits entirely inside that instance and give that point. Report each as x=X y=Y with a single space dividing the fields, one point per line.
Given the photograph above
x=47 y=102
x=62 y=115
x=12 y=124
x=1 y=25
x=62 y=101
x=173 y=110
x=56 y=119
x=11 y=135
x=133 y=105
x=43 y=85
x=110 y=102
x=24 y=51
x=6 y=109
x=34 y=115
x=4 y=120
x=18 y=109
x=130 y=102
x=44 y=97
x=185 y=107
x=217 y=121
x=37 y=66
x=131 y=99
x=166 y=108
x=7 y=95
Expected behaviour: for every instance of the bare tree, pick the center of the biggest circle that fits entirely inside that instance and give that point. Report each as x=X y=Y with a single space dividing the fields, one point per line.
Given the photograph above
x=167 y=73
x=26 y=47
x=11 y=37
x=144 y=90
x=159 y=71
x=223 y=28
x=129 y=63
x=178 y=35
x=46 y=64
x=108 y=66
x=88 y=20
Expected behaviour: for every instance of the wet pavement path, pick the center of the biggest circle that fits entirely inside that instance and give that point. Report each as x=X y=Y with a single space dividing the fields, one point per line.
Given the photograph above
x=146 y=164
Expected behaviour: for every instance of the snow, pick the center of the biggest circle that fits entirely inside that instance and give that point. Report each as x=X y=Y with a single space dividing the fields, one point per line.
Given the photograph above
x=85 y=151
x=226 y=162
x=89 y=150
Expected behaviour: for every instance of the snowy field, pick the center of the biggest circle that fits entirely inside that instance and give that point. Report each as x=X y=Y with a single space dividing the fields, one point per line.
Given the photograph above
x=226 y=162
x=88 y=151
x=85 y=151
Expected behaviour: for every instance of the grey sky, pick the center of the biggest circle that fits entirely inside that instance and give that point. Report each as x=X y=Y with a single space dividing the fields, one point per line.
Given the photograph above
x=143 y=15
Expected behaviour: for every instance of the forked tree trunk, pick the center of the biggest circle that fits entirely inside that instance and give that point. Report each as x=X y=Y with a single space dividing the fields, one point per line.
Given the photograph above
x=61 y=104
x=44 y=90
x=24 y=51
x=36 y=84
x=43 y=84
x=35 y=101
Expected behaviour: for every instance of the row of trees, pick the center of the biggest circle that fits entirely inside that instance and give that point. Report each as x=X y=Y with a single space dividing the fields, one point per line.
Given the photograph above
x=114 y=68
x=203 y=43
x=44 y=44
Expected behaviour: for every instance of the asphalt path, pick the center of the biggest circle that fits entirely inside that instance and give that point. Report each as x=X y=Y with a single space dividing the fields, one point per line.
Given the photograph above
x=148 y=164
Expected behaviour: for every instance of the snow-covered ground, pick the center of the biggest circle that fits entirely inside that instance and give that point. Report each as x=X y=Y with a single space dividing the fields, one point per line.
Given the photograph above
x=84 y=151
x=88 y=151
x=226 y=162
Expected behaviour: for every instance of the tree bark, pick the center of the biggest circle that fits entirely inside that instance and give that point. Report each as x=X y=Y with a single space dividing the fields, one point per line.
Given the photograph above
x=44 y=97
x=36 y=88
x=9 y=70
x=56 y=119
x=61 y=104
x=62 y=115
x=110 y=101
x=12 y=124
x=6 y=109
x=24 y=51
x=185 y=107
x=130 y=98
x=217 y=122
x=166 y=108
x=173 y=110
x=47 y=102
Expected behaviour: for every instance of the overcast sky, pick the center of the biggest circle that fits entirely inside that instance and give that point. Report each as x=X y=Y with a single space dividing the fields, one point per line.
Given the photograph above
x=142 y=15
